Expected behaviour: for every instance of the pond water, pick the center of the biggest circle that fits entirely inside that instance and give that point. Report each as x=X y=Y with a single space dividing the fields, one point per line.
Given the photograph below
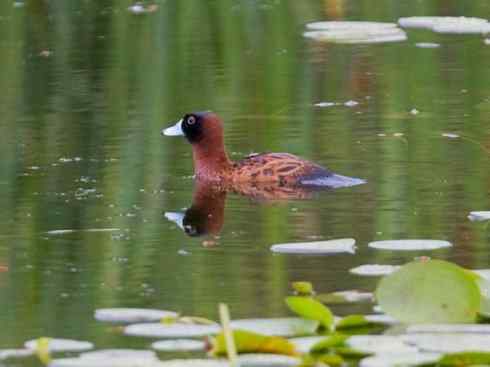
x=87 y=86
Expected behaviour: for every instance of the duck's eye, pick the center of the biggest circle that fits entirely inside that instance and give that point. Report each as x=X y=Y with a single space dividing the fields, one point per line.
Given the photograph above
x=191 y=120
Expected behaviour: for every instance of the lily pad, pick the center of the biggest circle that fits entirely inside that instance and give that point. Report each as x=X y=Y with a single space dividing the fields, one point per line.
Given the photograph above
x=398 y=359
x=132 y=315
x=449 y=329
x=346 y=245
x=409 y=245
x=267 y=360
x=449 y=343
x=61 y=345
x=287 y=326
x=427 y=45
x=195 y=363
x=110 y=358
x=374 y=270
x=462 y=25
x=379 y=344
x=418 y=293
x=179 y=345
x=479 y=216
x=354 y=32
x=171 y=331
x=15 y=353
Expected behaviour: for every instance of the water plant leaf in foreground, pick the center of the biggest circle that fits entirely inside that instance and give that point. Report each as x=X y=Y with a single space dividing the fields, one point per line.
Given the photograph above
x=317 y=248
x=431 y=291
x=479 y=216
x=309 y=308
x=249 y=342
x=332 y=341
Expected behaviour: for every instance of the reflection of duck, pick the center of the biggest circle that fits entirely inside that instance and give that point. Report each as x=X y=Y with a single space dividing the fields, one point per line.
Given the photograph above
x=206 y=214
x=204 y=130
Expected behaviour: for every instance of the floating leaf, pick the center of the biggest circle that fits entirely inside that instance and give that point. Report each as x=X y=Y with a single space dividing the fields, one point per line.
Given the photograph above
x=171 y=331
x=317 y=248
x=249 y=342
x=58 y=345
x=409 y=245
x=179 y=345
x=131 y=315
x=418 y=293
x=287 y=326
x=310 y=308
x=399 y=359
x=479 y=216
x=15 y=353
x=377 y=344
x=110 y=358
x=449 y=329
x=447 y=24
x=354 y=32
x=267 y=360
x=449 y=343
x=374 y=270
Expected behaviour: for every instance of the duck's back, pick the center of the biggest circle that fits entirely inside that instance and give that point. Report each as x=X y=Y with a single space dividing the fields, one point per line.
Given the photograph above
x=287 y=169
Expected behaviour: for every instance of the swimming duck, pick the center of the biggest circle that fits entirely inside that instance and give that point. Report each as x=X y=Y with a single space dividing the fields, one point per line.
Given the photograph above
x=204 y=131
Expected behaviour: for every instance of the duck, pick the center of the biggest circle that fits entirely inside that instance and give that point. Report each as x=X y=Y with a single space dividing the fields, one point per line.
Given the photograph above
x=204 y=131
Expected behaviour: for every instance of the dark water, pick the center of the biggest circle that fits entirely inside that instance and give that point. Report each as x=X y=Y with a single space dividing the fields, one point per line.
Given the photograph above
x=87 y=86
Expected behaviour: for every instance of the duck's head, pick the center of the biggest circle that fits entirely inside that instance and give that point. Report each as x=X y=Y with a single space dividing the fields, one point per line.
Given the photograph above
x=198 y=127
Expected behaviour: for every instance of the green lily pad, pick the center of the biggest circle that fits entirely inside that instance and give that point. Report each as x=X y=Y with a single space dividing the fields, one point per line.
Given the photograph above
x=431 y=291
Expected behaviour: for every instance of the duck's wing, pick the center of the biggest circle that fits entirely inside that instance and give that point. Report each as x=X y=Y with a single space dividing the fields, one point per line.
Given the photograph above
x=288 y=169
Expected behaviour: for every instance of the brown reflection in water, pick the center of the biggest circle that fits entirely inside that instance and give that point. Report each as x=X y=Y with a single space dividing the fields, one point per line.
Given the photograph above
x=206 y=214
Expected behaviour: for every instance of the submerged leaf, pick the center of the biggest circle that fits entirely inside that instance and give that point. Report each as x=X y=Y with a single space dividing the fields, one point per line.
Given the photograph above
x=310 y=308
x=249 y=342
x=431 y=291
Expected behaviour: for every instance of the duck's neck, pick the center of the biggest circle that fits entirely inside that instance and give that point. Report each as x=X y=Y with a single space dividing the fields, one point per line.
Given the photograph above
x=211 y=162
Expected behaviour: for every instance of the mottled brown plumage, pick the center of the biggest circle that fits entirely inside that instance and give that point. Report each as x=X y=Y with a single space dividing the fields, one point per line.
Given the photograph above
x=204 y=130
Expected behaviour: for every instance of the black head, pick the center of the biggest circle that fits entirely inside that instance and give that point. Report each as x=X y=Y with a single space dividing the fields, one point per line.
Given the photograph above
x=193 y=126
